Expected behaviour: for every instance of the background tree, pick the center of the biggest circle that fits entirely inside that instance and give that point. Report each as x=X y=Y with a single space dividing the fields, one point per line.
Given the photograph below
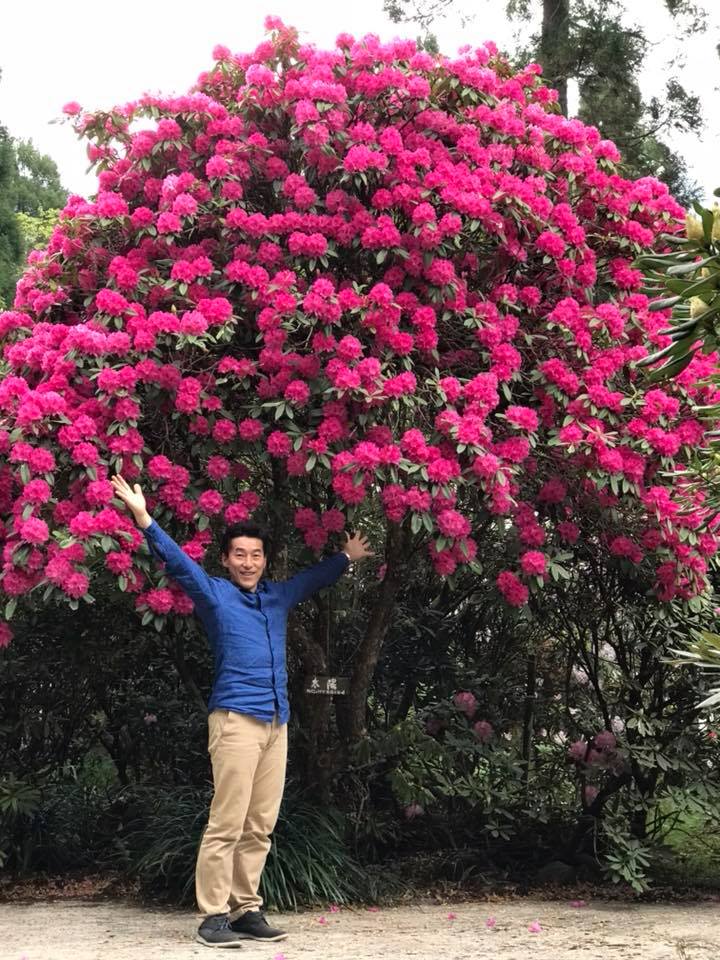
x=38 y=187
x=11 y=243
x=30 y=197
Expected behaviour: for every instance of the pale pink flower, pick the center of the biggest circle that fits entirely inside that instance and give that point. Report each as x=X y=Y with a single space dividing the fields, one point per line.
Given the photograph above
x=490 y=923
x=535 y=927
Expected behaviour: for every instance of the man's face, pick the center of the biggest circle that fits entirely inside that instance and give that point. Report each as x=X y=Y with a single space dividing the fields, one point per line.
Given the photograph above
x=245 y=561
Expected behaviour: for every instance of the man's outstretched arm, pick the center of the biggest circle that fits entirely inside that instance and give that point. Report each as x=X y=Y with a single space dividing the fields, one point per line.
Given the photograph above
x=328 y=571
x=178 y=565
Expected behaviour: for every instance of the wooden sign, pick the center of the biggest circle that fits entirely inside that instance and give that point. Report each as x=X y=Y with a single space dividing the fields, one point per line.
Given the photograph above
x=330 y=686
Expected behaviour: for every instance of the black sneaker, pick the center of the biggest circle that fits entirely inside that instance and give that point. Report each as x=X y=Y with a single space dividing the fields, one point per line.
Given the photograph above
x=253 y=926
x=215 y=931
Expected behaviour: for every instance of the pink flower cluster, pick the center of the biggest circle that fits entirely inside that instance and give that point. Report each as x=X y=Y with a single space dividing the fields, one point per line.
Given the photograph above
x=283 y=273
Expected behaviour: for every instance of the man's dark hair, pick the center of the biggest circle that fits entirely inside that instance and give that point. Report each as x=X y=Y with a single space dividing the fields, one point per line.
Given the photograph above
x=244 y=529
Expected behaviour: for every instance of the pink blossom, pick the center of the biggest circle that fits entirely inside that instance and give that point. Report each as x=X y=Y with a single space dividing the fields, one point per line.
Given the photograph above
x=522 y=417
x=210 y=502
x=605 y=740
x=278 y=444
x=483 y=731
x=466 y=702
x=34 y=530
x=6 y=634
x=533 y=563
x=589 y=794
x=75 y=585
x=514 y=592
x=453 y=524
x=159 y=601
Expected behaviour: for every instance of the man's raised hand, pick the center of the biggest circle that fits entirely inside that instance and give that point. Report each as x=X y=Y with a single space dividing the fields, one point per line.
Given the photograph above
x=133 y=498
x=357 y=547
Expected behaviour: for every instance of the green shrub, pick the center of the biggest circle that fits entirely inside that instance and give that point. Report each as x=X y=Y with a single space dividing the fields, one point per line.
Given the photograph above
x=309 y=862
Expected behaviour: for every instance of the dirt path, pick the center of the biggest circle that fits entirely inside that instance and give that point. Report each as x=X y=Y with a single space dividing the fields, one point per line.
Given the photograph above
x=82 y=930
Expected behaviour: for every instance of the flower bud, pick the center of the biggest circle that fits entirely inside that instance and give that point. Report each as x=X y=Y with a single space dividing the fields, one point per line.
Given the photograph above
x=697 y=307
x=693 y=227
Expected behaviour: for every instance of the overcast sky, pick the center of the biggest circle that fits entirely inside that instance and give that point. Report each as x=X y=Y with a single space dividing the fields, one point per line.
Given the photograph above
x=105 y=54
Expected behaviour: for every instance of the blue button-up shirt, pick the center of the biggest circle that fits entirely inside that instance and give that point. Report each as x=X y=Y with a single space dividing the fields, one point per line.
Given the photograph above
x=246 y=629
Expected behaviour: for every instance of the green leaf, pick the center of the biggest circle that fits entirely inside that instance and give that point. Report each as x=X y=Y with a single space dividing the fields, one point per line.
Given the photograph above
x=672 y=369
x=707 y=221
x=663 y=304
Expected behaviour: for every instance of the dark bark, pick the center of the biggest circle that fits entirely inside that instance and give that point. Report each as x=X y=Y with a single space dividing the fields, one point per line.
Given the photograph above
x=352 y=710
x=316 y=760
x=529 y=716
x=554 y=43
x=278 y=559
x=406 y=701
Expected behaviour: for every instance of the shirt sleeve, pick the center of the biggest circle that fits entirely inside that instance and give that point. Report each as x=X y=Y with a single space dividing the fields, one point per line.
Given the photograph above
x=315 y=578
x=189 y=575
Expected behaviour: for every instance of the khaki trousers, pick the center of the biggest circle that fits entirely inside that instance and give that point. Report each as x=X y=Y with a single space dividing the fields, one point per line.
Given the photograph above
x=248 y=764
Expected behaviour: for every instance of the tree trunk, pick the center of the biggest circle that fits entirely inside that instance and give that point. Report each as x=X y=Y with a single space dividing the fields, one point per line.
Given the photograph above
x=554 y=42
x=315 y=759
x=529 y=716
x=352 y=711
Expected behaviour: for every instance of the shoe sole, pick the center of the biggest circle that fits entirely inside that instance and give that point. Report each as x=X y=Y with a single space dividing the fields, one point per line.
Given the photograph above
x=249 y=936
x=206 y=943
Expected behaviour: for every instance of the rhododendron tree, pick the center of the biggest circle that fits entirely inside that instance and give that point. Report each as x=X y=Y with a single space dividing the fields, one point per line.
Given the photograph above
x=350 y=283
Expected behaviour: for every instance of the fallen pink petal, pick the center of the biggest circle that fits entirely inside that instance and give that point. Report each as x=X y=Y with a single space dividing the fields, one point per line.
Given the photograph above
x=334 y=908
x=535 y=927
x=452 y=916
x=373 y=909
x=322 y=920
x=578 y=903
x=490 y=922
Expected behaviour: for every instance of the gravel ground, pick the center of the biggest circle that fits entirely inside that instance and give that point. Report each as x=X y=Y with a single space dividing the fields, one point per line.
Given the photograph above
x=86 y=930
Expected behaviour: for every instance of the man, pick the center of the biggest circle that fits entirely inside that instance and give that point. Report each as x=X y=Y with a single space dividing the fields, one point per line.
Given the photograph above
x=245 y=618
